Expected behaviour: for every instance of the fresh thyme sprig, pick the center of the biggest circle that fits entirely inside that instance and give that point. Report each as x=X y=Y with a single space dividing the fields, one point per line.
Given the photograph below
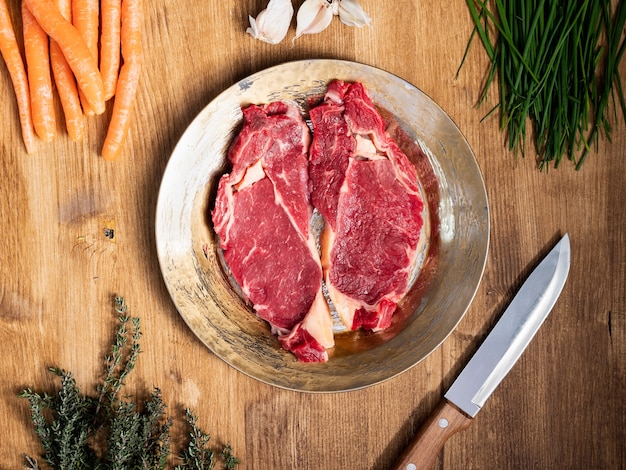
x=198 y=455
x=122 y=359
x=110 y=432
x=139 y=440
x=64 y=439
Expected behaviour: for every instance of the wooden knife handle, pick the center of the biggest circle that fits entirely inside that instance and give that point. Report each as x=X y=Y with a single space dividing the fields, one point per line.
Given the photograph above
x=422 y=452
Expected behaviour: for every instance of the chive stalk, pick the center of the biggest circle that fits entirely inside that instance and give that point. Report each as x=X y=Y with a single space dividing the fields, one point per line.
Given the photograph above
x=557 y=66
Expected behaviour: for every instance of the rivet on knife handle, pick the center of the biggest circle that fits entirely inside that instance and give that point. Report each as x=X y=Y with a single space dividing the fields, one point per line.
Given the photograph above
x=422 y=452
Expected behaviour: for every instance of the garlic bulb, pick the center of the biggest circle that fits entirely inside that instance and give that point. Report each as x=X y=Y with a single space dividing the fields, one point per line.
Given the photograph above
x=271 y=25
x=314 y=16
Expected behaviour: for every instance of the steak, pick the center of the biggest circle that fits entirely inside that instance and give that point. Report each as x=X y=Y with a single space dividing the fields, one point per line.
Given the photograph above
x=262 y=214
x=366 y=189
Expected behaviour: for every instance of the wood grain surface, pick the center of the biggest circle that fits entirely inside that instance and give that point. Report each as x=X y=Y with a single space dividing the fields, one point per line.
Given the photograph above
x=562 y=405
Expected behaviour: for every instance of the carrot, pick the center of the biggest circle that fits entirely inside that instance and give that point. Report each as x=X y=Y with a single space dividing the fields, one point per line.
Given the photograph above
x=83 y=64
x=86 y=18
x=66 y=84
x=128 y=80
x=13 y=59
x=110 y=45
x=36 y=51
x=68 y=93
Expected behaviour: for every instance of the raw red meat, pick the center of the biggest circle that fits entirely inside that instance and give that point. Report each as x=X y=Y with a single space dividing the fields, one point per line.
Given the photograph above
x=262 y=215
x=367 y=191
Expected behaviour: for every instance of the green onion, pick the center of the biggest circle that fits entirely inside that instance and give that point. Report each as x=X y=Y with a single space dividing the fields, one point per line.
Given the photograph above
x=557 y=66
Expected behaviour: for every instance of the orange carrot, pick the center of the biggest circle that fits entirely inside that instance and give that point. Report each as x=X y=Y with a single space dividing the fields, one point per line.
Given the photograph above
x=68 y=93
x=86 y=18
x=128 y=80
x=66 y=84
x=76 y=53
x=37 y=56
x=13 y=59
x=110 y=45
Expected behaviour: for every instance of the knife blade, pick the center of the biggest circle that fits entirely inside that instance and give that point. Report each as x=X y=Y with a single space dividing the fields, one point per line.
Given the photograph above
x=493 y=360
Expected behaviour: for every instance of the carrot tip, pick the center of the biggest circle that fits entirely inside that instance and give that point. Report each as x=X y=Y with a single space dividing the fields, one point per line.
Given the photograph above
x=99 y=108
x=109 y=156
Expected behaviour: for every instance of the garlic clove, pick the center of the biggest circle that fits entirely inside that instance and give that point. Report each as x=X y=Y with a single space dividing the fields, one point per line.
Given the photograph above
x=314 y=16
x=352 y=14
x=271 y=25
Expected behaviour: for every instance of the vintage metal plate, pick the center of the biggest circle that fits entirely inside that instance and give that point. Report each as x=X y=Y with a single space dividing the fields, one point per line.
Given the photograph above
x=458 y=235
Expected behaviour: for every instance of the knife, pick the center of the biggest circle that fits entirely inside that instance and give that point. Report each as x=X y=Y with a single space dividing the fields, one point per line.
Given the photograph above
x=493 y=360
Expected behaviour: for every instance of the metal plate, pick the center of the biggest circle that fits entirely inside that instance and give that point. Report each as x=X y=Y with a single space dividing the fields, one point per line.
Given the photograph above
x=438 y=298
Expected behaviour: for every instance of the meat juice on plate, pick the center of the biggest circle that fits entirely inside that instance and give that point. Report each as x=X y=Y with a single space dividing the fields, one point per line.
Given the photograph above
x=345 y=207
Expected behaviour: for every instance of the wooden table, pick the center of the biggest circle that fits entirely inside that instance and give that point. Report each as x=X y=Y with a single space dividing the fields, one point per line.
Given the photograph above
x=562 y=406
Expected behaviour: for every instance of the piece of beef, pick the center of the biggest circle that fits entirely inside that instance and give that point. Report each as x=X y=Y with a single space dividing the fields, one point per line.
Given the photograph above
x=367 y=191
x=262 y=213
